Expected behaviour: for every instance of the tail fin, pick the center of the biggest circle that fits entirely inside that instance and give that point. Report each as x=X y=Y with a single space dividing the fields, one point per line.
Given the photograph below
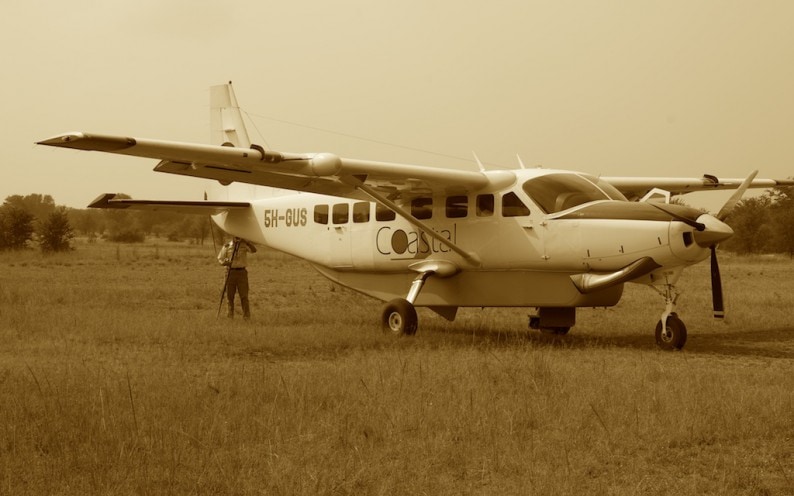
x=227 y=128
x=226 y=120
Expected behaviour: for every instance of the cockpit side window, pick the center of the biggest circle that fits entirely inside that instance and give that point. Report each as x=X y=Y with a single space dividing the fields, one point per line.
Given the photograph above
x=557 y=192
x=610 y=190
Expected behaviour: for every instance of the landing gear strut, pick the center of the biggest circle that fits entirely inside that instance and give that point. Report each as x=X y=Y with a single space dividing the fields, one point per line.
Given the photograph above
x=399 y=315
x=670 y=330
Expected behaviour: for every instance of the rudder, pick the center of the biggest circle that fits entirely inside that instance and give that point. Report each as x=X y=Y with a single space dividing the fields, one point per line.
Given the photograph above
x=226 y=120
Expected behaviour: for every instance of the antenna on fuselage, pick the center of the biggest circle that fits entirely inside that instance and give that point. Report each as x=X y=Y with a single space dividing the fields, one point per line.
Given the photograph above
x=520 y=162
x=477 y=159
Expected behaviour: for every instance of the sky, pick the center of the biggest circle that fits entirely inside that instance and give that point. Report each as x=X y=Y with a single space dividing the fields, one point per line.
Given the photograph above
x=616 y=88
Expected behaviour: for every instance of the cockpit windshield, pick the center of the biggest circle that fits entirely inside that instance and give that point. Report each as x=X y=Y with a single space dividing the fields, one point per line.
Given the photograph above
x=557 y=192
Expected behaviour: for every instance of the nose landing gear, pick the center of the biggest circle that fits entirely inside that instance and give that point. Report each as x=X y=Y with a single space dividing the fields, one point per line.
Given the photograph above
x=672 y=334
x=670 y=330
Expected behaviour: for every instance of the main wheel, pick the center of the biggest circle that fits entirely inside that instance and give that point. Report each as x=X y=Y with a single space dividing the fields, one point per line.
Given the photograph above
x=399 y=318
x=675 y=338
x=559 y=331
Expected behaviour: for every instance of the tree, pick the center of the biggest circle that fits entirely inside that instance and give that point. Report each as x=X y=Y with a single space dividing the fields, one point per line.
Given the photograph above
x=782 y=219
x=750 y=224
x=123 y=225
x=39 y=206
x=16 y=227
x=88 y=222
x=55 y=233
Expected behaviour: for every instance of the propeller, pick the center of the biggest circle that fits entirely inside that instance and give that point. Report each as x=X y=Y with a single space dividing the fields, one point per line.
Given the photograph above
x=726 y=209
x=716 y=286
x=716 y=280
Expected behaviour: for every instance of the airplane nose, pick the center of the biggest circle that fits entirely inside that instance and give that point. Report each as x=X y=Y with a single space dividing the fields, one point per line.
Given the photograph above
x=715 y=231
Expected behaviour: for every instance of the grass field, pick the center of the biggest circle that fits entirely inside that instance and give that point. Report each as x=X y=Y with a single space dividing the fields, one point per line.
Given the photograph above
x=117 y=378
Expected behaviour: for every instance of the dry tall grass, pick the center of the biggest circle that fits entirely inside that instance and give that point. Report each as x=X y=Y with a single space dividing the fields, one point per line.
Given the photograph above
x=116 y=378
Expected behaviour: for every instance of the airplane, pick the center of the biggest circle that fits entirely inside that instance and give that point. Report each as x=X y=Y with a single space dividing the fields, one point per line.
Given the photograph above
x=418 y=236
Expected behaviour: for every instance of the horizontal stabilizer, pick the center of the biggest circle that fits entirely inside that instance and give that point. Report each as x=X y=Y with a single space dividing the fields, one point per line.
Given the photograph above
x=109 y=200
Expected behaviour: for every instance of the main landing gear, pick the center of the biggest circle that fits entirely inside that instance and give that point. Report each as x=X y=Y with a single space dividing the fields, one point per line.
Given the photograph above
x=399 y=315
x=670 y=330
x=553 y=320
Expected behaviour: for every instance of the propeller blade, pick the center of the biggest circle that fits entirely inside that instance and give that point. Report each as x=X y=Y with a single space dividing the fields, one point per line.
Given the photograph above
x=726 y=209
x=716 y=285
x=697 y=225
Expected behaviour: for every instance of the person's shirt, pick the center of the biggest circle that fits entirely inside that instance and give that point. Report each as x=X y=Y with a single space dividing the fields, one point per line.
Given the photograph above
x=240 y=257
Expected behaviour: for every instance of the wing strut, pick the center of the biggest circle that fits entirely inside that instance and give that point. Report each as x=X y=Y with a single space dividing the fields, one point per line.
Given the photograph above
x=358 y=183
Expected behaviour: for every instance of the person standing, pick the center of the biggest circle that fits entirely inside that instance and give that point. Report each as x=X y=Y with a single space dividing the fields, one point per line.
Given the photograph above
x=234 y=255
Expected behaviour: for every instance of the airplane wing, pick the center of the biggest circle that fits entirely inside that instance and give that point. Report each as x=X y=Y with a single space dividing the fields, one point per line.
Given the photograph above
x=322 y=173
x=109 y=200
x=637 y=187
x=328 y=174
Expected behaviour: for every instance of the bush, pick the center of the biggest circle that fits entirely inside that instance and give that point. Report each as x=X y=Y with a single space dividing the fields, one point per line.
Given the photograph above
x=16 y=227
x=127 y=235
x=56 y=232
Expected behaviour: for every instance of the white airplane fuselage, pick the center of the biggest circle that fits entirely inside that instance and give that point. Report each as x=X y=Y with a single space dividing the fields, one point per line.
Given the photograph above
x=526 y=256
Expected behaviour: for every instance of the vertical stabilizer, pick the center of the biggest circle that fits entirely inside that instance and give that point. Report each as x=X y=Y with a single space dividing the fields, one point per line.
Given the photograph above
x=227 y=127
x=226 y=120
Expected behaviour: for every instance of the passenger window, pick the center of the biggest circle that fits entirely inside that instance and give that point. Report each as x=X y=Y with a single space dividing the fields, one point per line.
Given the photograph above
x=384 y=213
x=512 y=206
x=361 y=212
x=321 y=214
x=422 y=208
x=457 y=206
x=485 y=205
x=341 y=213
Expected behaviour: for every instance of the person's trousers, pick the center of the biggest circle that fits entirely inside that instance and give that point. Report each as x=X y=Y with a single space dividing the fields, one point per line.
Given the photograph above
x=237 y=283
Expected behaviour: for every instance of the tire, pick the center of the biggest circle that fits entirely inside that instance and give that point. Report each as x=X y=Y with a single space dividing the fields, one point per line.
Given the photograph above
x=676 y=331
x=558 y=331
x=399 y=318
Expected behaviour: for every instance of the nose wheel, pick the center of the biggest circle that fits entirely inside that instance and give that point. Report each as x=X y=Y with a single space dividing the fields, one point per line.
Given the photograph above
x=670 y=330
x=672 y=335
